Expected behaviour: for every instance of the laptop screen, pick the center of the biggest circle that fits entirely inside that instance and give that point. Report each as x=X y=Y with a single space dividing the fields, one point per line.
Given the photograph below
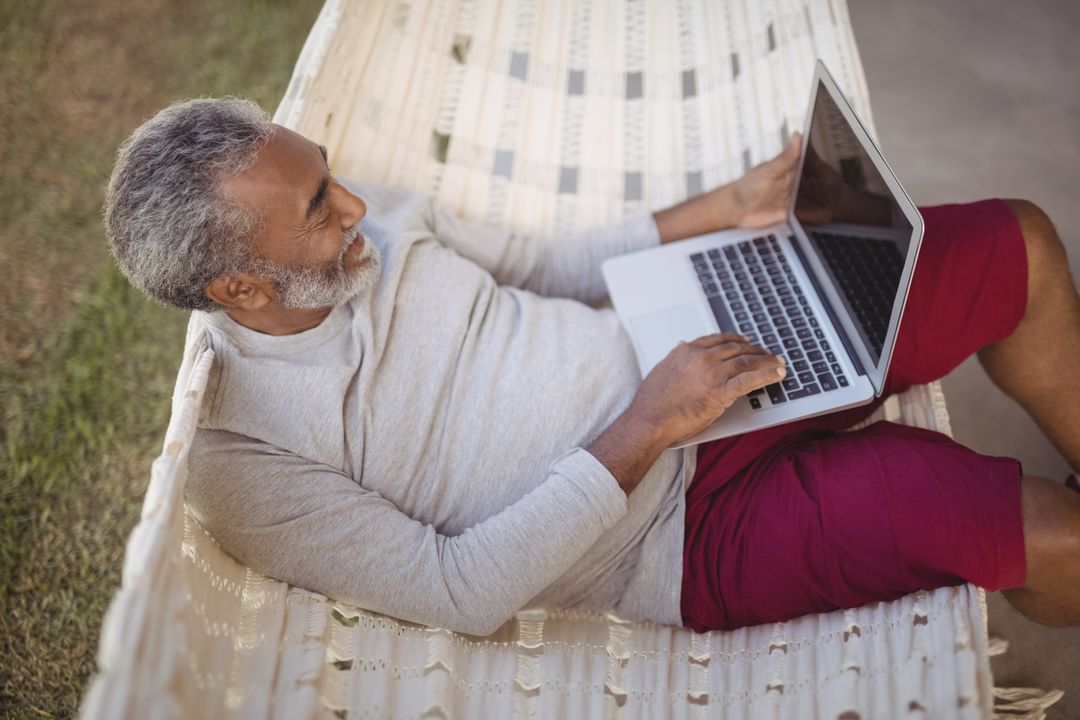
x=854 y=222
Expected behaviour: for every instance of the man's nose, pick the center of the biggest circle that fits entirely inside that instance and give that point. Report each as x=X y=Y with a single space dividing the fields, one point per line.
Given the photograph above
x=351 y=207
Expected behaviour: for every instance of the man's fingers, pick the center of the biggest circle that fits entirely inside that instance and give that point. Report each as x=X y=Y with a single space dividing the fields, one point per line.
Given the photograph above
x=794 y=145
x=708 y=341
x=726 y=351
x=745 y=382
x=754 y=374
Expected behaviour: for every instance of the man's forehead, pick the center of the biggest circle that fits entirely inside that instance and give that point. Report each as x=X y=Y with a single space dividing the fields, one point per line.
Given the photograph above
x=279 y=174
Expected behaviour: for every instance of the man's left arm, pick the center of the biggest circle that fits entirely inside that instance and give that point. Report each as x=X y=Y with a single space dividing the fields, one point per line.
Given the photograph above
x=569 y=266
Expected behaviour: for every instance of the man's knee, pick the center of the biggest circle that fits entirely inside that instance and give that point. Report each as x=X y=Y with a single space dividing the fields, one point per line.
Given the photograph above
x=1051 y=516
x=1045 y=251
x=1051 y=593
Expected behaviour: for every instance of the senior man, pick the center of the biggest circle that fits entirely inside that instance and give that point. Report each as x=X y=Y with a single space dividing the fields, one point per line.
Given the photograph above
x=426 y=419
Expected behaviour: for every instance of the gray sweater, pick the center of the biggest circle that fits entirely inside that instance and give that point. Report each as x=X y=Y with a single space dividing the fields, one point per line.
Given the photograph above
x=420 y=452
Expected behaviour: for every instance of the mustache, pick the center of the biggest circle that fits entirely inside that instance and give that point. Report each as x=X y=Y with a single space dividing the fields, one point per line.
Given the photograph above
x=347 y=239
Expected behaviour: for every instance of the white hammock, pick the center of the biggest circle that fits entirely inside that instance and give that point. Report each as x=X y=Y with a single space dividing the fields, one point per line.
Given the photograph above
x=538 y=116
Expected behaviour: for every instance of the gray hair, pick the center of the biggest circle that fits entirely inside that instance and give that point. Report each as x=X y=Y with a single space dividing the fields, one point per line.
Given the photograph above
x=168 y=226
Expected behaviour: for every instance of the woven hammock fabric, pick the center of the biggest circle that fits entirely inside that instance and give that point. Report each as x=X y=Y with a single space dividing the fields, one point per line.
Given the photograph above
x=536 y=116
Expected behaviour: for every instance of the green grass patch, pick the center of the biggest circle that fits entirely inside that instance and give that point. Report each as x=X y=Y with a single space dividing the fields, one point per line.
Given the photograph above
x=86 y=363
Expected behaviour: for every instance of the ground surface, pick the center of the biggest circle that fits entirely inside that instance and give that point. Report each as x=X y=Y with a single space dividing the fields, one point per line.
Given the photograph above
x=86 y=364
x=974 y=99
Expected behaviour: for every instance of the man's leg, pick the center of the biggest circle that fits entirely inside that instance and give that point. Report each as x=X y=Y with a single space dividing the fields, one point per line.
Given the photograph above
x=1036 y=364
x=971 y=291
x=1033 y=366
x=1051 y=592
x=843 y=519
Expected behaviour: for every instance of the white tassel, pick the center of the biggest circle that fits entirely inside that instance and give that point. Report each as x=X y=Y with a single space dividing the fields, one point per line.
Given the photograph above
x=1023 y=703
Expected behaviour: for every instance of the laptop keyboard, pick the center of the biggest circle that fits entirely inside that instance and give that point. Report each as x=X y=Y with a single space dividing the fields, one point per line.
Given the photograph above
x=868 y=273
x=752 y=291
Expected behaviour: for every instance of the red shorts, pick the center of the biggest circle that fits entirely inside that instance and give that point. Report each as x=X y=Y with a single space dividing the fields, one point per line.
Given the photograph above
x=804 y=518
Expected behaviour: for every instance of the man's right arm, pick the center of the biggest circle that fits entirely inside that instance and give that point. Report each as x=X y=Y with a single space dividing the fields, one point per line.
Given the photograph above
x=684 y=394
x=313 y=526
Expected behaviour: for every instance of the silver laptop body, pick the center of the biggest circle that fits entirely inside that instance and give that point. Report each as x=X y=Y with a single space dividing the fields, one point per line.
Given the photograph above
x=826 y=289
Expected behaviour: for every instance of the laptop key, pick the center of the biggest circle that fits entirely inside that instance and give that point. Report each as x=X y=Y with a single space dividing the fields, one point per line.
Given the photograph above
x=776 y=393
x=805 y=377
x=819 y=334
x=723 y=320
x=814 y=355
x=756 y=391
x=769 y=339
x=801 y=366
x=732 y=295
x=795 y=354
x=801 y=333
x=755 y=403
x=715 y=253
x=830 y=357
x=825 y=345
x=842 y=380
x=742 y=316
x=837 y=369
x=698 y=257
x=813 y=321
x=813 y=388
x=737 y=306
x=791 y=343
x=800 y=393
x=711 y=289
x=760 y=319
x=790 y=384
x=827 y=382
x=746 y=327
x=820 y=368
x=775 y=349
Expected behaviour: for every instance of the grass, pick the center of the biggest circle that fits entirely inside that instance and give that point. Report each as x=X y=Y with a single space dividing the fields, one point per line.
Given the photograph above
x=87 y=364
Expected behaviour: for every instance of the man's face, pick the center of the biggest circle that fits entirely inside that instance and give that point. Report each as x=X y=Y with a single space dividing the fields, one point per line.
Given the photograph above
x=310 y=248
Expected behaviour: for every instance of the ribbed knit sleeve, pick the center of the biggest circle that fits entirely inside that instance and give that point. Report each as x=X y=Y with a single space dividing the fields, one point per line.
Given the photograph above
x=311 y=526
x=558 y=266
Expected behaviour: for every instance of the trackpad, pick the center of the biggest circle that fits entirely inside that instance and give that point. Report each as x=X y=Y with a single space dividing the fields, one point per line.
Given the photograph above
x=657 y=333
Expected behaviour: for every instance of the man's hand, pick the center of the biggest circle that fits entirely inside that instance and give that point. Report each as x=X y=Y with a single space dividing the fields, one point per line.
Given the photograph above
x=684 y=394
x=759 y=198
x=762 y=196
x=693 y=386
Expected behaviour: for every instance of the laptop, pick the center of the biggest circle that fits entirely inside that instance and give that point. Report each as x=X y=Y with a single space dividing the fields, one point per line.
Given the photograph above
x=825 y=289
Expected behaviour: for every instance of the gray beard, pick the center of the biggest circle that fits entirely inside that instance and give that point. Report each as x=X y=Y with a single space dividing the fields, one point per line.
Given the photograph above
x=325 y=284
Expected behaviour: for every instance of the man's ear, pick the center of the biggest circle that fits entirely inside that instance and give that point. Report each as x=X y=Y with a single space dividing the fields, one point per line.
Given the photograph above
x=241 y=292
